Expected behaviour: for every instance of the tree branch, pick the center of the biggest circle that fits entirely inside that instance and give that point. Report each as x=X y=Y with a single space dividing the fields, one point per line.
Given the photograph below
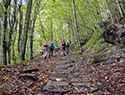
x=43 y=6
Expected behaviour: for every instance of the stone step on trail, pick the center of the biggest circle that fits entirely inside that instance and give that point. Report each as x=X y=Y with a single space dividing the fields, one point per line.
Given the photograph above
x=58 y=74
x=57 y=81
x=64 y=67
x=63 y=70
x=66 y=70
x=56 y=87
x=81 y=84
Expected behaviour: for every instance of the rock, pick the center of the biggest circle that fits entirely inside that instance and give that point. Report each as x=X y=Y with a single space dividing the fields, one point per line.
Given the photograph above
x=29 y=76
x=63 y=70
x=63 y=62
x=83 y=91
x=115 y=34
x=57 y=79
x=60 y=67
x=81 y=84
x=99 y=59
x=58 y=91
x=107 y=63
x=53 y=83
x=29 y=70
x=75 y=80
x=58 y=74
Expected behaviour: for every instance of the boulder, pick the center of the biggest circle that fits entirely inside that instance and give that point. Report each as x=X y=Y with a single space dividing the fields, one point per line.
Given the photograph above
x=115 y=34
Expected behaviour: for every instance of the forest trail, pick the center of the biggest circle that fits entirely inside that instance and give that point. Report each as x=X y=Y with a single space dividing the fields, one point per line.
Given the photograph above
x=72 y=74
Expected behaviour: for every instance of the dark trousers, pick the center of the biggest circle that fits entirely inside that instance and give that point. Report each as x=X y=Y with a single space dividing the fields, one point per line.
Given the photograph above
x=67 y=50
x=50 y=52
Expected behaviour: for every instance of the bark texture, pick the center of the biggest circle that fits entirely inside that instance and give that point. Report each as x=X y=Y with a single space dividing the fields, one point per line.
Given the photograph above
x=25 y=32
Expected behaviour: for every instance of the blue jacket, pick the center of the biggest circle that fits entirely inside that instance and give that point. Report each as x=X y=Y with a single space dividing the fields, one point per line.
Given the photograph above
x=52 y=46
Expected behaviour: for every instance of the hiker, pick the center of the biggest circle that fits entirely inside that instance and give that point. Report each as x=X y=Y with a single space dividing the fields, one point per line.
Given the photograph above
x=67 y=48
x=45 y=49
x=51 y=48
x=63 y=47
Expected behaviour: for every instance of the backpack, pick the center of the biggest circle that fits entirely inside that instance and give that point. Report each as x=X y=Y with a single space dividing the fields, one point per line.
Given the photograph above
x=45 y=44
x=67 y=44
x=63 y=43
x=52 y=45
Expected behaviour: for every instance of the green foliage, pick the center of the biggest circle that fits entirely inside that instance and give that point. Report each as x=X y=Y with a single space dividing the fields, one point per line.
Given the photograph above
x=2 y=65
x=89 y=17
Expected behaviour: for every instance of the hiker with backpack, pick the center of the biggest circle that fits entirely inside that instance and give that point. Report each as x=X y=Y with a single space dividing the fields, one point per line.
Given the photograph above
x=51 y=48
x=45 y=49
x=67 y=48
x=63 y=48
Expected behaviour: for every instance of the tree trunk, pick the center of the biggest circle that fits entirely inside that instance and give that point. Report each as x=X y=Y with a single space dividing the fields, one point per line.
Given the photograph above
x=6 y=5
x=94 y=16
x=76 y=27
x=122 y=7
x=33 y=26
x=25 y=33
x=99 y=13
x=112 y=15
x=14 y=40
x=43 y=32
x=69 y=33
x=84 y=24
x=11 y=31
x=52 y=21
x=31 y=40
x=73 y=34
x=20 y=27
x=119 y=8
x=4 y=38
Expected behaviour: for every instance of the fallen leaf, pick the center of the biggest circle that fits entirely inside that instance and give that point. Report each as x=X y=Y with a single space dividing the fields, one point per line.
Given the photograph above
x=59 y=79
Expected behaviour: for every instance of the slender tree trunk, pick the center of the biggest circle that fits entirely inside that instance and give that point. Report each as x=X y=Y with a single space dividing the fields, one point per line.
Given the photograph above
x=11 y=31
x=6 y=5
x=76 y=27
x=117 y=3
x=122 y=7
x=52 y=27
x=60 y=34
x=20 y=27
x=14 y=40
x=94 y=15
x=1 y=39
x=84 y=24
x=99 y=13
x=110 y=11
x=31 y=41
x=73 y=34
x=43 y=32
x=52 y=22
x=69 y=33
x=25 y=33
x=33 y=26
x=115 y=11
x=4 y=38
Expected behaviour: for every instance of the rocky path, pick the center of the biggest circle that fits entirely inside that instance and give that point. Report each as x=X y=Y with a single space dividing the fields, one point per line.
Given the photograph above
x=70 y=77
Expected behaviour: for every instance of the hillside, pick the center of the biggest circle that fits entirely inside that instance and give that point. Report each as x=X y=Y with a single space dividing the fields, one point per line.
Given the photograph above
x=73 y=74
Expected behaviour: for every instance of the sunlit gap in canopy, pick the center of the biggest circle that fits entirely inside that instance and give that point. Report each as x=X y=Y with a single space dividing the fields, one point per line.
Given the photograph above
x=23 y=2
